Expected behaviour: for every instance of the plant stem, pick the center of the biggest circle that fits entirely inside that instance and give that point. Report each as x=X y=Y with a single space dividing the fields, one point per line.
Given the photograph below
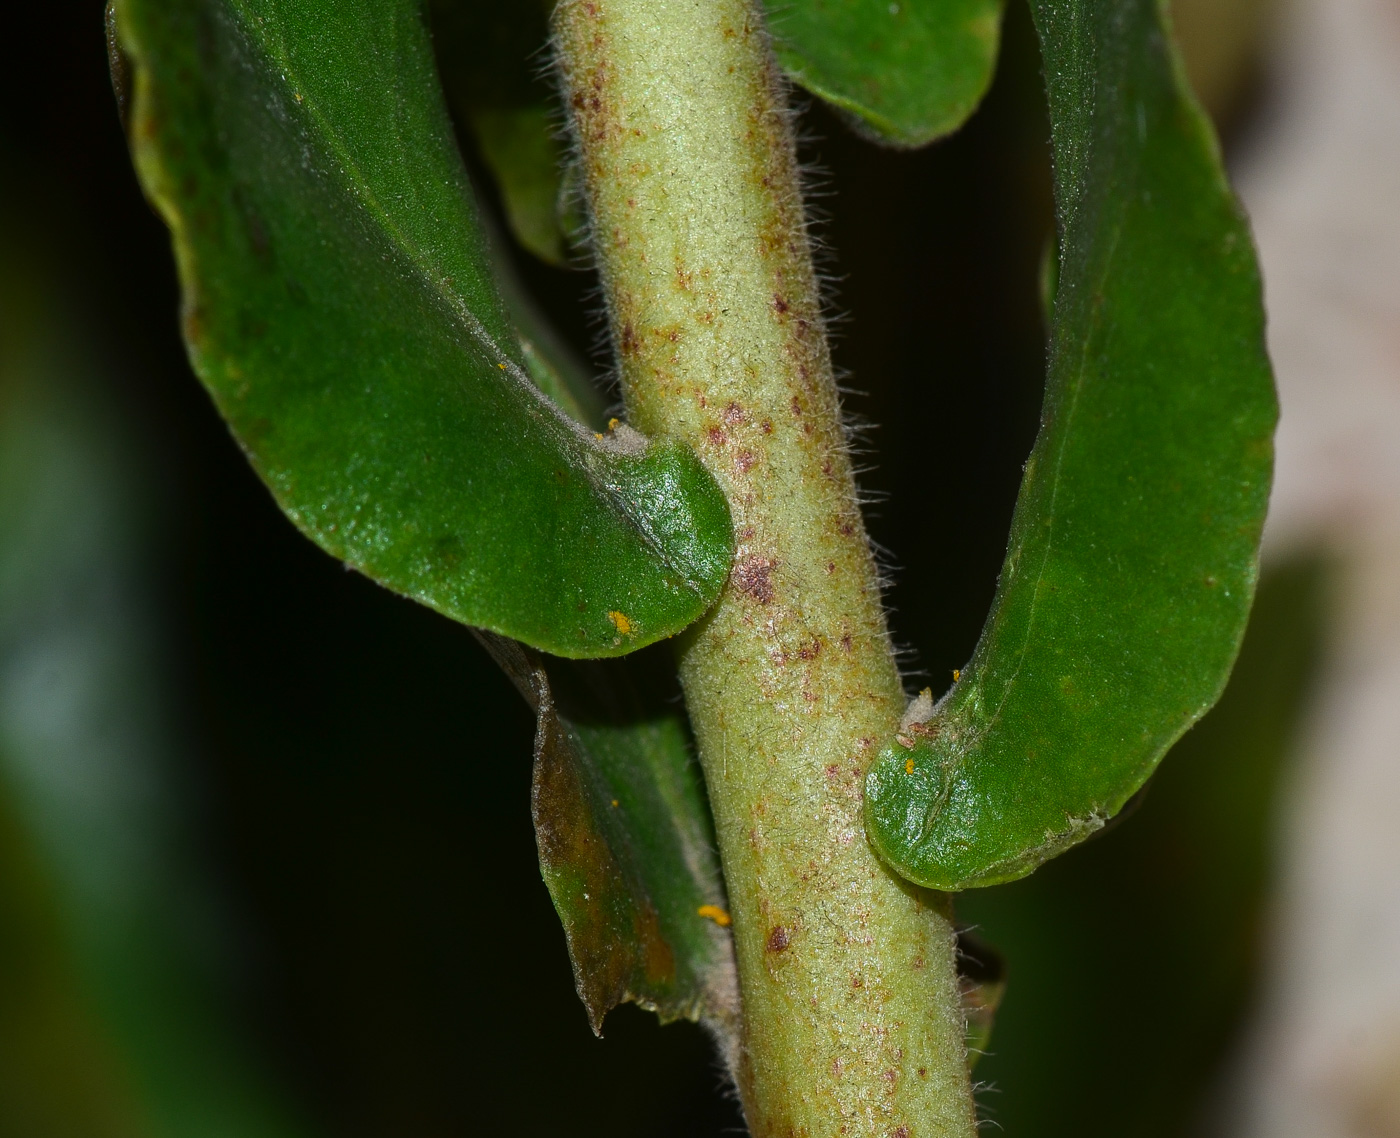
x=852 y=1021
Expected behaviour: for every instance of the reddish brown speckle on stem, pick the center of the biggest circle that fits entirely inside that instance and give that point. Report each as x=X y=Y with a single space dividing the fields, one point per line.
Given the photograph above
x=778 y=939
x=716 y=437
x=752 y=576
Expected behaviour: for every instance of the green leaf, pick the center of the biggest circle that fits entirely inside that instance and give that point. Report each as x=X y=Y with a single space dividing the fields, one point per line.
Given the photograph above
x=519 y=145
x=627 y=847
x=340 y=307
x=1133 y=551
x=552 y=363
x=906 y=71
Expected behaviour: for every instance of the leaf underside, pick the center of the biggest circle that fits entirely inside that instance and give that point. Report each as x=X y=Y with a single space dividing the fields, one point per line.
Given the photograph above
x=1133 y=553
x=905 y=73
x=340 y=307
x=627 y=849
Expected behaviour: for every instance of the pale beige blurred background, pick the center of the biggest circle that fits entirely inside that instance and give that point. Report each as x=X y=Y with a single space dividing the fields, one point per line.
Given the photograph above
x=1318 y=167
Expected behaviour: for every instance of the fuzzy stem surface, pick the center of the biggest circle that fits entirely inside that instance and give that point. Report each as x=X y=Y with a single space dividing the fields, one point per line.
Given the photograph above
x=851 y=1012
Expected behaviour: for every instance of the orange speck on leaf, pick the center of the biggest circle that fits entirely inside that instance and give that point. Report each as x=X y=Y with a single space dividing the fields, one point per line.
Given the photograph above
x=957 y=674
x=716 y=914
x=612 y=424
x=621 y=622
x=908 y=766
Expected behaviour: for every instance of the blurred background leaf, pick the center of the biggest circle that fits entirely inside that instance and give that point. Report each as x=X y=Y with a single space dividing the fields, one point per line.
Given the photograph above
x=495 y=66
x=117 y=949
x=1224 y=45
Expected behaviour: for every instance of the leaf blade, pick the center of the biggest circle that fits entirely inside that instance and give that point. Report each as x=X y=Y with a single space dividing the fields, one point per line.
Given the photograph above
x=1133 y=553
x=627 y=851
x=906 y=72
x=341 y=308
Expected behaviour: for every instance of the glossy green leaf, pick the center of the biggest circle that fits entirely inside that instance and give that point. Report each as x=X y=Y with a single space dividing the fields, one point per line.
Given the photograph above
x=626 y=846
x=905 y=71
x=552 y=364
x=340 y=307
x=1133 y=550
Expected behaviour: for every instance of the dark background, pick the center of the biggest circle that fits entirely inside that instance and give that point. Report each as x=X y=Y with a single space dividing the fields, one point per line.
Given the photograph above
x=363 y=770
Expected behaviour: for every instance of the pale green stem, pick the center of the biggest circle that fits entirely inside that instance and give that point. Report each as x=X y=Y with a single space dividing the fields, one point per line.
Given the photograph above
x=852 y=1021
